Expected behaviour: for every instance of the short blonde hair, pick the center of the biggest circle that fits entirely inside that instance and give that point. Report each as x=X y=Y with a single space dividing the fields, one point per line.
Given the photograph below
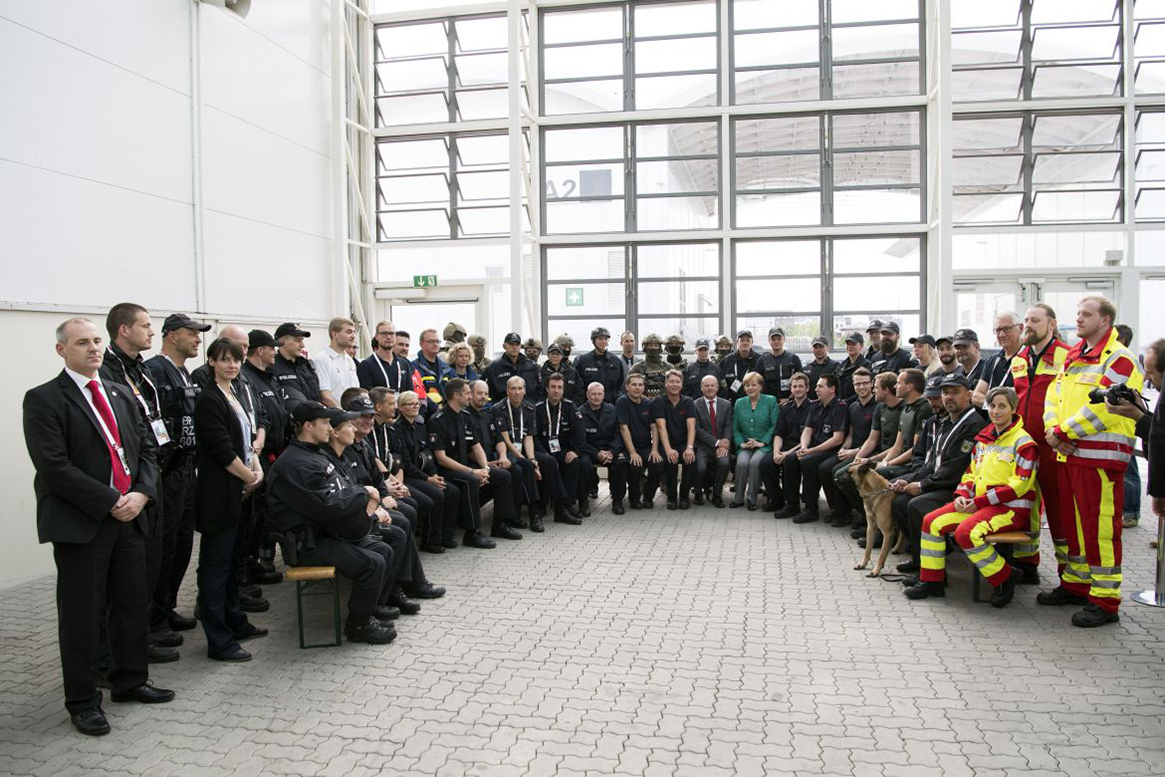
x=406 y=396
x=338 y=324
x=457 y=348
x=750 y=376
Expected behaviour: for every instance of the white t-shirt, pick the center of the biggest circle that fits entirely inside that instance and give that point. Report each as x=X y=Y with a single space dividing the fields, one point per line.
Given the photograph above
x=336 y=371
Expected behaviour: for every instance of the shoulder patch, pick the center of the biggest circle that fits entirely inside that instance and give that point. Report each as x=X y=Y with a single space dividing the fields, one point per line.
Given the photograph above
x=967 y=446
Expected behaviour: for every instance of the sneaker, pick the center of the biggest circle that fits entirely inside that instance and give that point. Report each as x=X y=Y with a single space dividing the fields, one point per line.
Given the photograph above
x=1058 y=597
x=371 y=631
x=922 y=590
x=1002 y=596
x=1093 y=615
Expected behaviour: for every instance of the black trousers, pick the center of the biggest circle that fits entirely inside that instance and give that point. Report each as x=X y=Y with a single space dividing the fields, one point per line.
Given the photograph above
x=153 y=552
x=643 y=481
x=446 y=502
x=781 y=489
x=398 y=535
x=811 y=469
x=833 y=478
x=678 y=474
x=909 y=511
x=501 y=490
x=469 y=506
x=114 y=560
x=177 y=538
x=524 y=480
x=616 y=476
x=218 y=590
x=365 y=563
x=709 y=466
x=559 y=479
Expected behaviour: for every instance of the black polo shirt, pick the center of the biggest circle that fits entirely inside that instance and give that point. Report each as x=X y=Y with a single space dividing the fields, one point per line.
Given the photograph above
x=637 y=418
x=450 y=432
x=488 y=433
x=861 y=420
x=789 y=422
x=826 y=420
x=998 y=371
x=675 y=418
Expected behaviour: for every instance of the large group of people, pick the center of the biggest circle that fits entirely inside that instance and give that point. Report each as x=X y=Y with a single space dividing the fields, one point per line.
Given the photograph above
x=366 y=465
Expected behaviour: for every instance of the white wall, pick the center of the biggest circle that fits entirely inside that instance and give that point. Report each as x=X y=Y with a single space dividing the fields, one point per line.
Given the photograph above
x=108 y=192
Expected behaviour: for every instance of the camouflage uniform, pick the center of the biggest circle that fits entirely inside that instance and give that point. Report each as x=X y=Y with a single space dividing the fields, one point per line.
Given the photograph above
x=724 y=347
x=481 y=359
x=653 y=368
x=566 y=343
x=675 y=352
x=453 y=334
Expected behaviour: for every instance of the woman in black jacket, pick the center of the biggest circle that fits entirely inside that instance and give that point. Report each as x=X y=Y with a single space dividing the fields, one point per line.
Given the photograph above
x=228 y=473
x=420 y=473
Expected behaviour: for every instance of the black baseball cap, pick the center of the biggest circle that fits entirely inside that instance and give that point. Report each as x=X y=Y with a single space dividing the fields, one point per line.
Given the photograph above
x=955 y=379
x=290 y=329
x=875 y=326
x=820 y=341
x=943 y=339
x=965 y=337
x=891 y=326
x=361 y=405
x=336 y=416
x=933 y=386
x=513 y=337
x=855 y=337
x=703 y=342
x=775 y=331
x=182 y=321
x=744 y=333
x=553 y=348
x=308 y=410
x=257 y=338
x=924 y=339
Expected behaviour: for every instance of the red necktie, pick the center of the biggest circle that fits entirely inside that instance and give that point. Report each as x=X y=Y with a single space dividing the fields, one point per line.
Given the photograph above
x=121 y=481
x=712 y=414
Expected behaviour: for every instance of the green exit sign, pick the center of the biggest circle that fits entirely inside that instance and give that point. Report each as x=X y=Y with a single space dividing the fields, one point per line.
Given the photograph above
x=574 y=297
x=424 y=281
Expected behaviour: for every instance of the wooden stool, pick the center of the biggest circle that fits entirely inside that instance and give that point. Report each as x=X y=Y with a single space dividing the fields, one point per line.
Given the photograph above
x=307 y=579
x=1005 y=539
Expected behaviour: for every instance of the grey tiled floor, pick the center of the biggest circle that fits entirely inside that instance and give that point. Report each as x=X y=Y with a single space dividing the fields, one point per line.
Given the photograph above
x=705 y=642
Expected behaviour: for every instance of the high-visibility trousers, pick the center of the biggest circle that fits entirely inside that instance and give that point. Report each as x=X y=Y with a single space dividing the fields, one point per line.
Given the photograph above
x=969 y=533
x=1059 y=522
x=1096 y=497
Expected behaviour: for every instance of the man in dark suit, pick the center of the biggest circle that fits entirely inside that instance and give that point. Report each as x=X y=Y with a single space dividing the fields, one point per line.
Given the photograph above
x=713 y=439
x=95 y=472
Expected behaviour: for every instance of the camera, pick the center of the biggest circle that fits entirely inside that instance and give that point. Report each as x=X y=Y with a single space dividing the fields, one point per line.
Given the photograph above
x=1113 y=395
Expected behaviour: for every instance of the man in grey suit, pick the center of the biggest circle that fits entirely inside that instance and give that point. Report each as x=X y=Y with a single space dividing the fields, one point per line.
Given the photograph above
x=713 y=438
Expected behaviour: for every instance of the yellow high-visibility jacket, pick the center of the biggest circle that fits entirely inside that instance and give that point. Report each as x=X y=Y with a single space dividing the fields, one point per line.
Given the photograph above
x=1003 y=470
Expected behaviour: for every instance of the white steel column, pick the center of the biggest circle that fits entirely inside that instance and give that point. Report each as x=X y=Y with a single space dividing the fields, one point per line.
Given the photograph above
x=940 y=292
x=514 y=125
x=1129 y=294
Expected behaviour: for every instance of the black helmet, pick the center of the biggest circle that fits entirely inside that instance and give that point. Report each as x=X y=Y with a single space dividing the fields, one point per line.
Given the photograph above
x=600 y=331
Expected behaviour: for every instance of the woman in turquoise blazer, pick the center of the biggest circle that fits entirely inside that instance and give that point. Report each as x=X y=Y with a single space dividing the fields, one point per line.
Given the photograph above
x=754 y=420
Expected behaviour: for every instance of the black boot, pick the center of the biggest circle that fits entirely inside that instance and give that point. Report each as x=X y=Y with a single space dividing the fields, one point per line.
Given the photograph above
x=1002 y=596
x=1092 y=616
x=536 y=521
x=564 y=513
x=398 y=599
x=922 y=590
x=617 y=507
x=584 y=508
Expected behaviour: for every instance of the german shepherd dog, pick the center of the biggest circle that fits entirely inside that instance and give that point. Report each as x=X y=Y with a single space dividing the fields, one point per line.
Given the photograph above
x=877 y=496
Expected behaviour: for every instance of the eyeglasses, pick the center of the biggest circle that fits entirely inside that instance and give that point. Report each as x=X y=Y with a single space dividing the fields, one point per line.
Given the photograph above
x=407 y=404
x=1003 y=329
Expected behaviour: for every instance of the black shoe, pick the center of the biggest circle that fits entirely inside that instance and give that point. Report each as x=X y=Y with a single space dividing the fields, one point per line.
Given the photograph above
x=371 y=631
x=156 y=654
x=672 y=504
x=90 y=722
x=144 y=693
x=1002 y=596
x=562 y=514
x=248 y=604
x=807 y=516
x=646 y=504
x=908 y=568
x=385 y=613
x=505 y=532
x=734 y=504
x=474 y=540
x=857 y=532
x=518 y=522
x=910 y=580
x=718 y=502
x=584 y=509
x=786 y=512
x=698 y=499
x=770 y=506
x=635 y=504
x=752 y=507
x=267 y=577
x=181 y=622
x=252 y=632
x=432 y=547
x=251 y=590
x=166 y=638
x=423 y=590
x=536 y=524
x=1058 y=597
x=1031 y=574
x=617 y=507
x=877 y=541
x=237 y=656
x=684 y=503
x=397 y=598
x=593 y=493
x=1092 y=616
x=921 y=590
x=449 y=544
x=568 y=508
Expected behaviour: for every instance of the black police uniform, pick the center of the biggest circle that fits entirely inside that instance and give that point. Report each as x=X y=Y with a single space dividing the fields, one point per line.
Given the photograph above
x=639 y=422
x=893 y=362
x=733 y=368
x=606 y=368
x=601 y=433
x=298 y=379
x=271 y=399
x=814 y=370
x=824 y=421
x=519 y=423
x=410 y=447
x=501 y=369
x=323 y=520
x=790 y=421
x=504 y=487
x=396 y=375
x=450 y=431
x=778 y=373
x=694 y=375
x=177 y=394
x=676 y=417
x=845 y=376
x=558 y=431
x=571 y=385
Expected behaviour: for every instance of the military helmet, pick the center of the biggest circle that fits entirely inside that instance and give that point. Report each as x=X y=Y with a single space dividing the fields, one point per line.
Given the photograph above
x=566 y=341
x=452 y=329
x=600 y=331
x=476 y=340
x=532 y=342
x=675 y=340
x=724 y=339
x=652 y=339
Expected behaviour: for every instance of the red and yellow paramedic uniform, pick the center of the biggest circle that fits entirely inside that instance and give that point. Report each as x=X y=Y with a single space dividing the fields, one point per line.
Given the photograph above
x=1002 y=481
x=1092 y=476
x=1031 y=374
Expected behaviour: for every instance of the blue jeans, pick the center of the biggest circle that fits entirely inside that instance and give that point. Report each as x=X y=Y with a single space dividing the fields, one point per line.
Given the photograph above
x=1133 y=488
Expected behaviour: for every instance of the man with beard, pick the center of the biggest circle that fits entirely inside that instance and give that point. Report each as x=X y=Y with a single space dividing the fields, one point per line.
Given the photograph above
x=739 y=363
x=890 y=358
x=334 y=367
x=947 y=361
x=384 y=367
x=997 y=372
x=701 y=368
x=653 y=367
x=778 y=366
x=1033 y=369
x=854 y=360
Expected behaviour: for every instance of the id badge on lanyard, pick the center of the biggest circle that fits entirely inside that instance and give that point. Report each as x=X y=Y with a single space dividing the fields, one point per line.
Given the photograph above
x=553 y=443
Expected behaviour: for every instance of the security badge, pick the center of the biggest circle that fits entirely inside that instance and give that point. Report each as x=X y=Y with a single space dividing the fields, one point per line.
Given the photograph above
x=554 y=445
x=736 y=384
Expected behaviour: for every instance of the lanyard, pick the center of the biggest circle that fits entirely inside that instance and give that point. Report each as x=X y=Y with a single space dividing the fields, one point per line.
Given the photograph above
x=941 y=439
x=137 y=392
x=521 y=421
x=377 y=433
x=113 y=443
x=399 y=372
x=181 y=371
x=557 y=426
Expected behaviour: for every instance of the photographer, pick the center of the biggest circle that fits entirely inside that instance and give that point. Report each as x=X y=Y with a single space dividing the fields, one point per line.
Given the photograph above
x=1150 y=426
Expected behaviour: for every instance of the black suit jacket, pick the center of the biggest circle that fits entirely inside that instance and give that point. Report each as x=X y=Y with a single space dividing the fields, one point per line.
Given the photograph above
x=72 y=461
x=218 y=495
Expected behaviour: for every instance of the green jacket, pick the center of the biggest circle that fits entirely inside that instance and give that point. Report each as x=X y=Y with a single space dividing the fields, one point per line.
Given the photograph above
x=759 y=424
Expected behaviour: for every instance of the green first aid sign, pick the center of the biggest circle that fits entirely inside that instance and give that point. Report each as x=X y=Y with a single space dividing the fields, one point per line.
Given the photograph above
x=574 y=297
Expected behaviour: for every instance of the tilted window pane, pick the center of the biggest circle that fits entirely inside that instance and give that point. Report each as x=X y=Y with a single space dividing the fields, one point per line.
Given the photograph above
x=778 y=257
x=1061 y=12
x=857 y=130
x=989 y=47
x=985 y=13
x=584 y=25
x=877 y=167
x=689 y=259
x=988 y=171
x=585 y=262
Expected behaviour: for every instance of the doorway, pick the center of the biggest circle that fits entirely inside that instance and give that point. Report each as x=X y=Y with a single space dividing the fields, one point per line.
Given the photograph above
x=979 y=300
